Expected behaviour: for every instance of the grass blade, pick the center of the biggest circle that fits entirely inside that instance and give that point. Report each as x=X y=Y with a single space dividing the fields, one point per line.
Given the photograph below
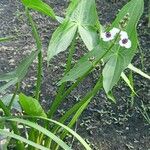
x=125 y=78
x=17 y=137
x=42 y=130
x=6 y=39
x=138 y=71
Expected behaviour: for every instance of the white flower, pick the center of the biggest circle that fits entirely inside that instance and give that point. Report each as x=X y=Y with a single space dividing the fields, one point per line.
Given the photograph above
x=124 y=39
x=125 y=43
x=108 y=36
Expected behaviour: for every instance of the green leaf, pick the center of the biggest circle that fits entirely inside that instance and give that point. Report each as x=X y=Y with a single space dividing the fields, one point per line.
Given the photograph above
x=121 y=57
x=15 y=105
x=72 y=6
x=111 y=97
x=89 y=36
x=81 y=15
x=19 y=73
x=75 y=118
x=111 y=72
x=78 y=137
x=85 y=64
x=60 y=19
x=40 y=6
x=8 y=84
x=83 y=105
x=61 y=39
x=138 y=71
x=31 y=106
x=7 y=76
x=6 y=39
x=125 y=78
x=40 y=129
x=84 y=14
x=17 y=137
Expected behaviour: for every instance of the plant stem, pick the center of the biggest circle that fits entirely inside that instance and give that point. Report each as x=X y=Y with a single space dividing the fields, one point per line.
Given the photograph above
x=13 y=97
x=149 y=14
x=58 y=100
x=36 y=36
x=39 y=76
x=39 y=47
x=142 y=56
x=132 y=93
x=20 y=145
x=85 y=101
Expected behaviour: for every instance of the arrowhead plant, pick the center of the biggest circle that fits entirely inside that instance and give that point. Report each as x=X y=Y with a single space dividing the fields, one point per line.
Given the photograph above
x=109 y=48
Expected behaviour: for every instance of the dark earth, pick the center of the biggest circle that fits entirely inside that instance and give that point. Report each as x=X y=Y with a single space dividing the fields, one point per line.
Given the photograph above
x=104 y=125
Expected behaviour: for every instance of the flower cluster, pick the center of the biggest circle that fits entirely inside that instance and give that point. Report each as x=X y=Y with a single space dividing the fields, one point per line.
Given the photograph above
x=124 y=39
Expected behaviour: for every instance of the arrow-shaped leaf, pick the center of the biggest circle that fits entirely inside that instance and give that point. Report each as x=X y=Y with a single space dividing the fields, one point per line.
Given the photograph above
x=125 y=78
x=122 y=57
x=81 y=15
x=89 y=36
x=84 y=14
x=61 y=39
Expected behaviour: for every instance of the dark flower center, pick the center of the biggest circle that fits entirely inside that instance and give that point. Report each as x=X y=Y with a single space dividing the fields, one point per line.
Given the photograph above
x=125 y=41
x=108 y=34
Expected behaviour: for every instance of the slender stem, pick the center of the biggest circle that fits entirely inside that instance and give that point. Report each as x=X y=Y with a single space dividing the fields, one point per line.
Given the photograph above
x=14 y=95
x=149 y=14
x=36 y=36
x=39 y=47
x=39 y=76
x=58 y=100
x=142 y=55
x=85 y=101
x=20 y=145
x=132 y=93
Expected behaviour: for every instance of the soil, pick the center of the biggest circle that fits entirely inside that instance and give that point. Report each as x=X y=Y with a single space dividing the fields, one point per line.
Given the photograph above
x=104 y=125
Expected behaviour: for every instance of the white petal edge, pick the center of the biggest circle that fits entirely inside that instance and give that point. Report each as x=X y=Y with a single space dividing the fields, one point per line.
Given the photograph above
x=103 y=35
x=114 y=31
x=121 y=44
x=128 y=45
x=124 y=35
x=107 y=39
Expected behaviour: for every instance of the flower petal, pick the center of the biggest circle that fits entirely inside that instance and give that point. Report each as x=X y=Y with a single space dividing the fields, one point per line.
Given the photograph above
x=128 y=45
x=105 y=38
x=114 y=31
x=103 y=35
x=121 y=44
x=124 y=35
